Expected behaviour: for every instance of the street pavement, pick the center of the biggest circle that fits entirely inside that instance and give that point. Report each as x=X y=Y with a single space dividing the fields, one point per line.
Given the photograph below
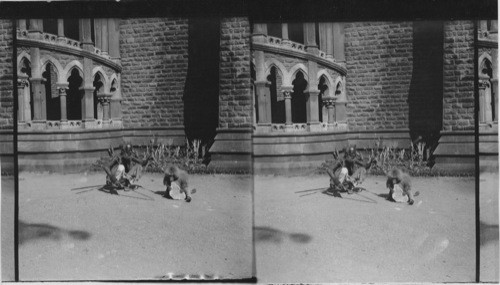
x=88 y=234
x=488 y=221
x=303 y=235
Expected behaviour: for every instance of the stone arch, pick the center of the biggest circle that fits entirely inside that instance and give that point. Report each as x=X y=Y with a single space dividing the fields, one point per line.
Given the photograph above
x=105 y=81
x=21 y=58
x=50 y=74
x=485 y=57
x=338 y=88
x=70 y=66
x=55 y=63
x=299 y=99
x=485 y=66
x=294 y=70
x=24 y=66
x=114 y=87
x=328 y=80
x=279 y=67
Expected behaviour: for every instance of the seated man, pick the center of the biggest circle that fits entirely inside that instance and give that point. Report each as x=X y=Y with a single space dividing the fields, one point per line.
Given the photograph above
x=124 y=168
x=352 y=171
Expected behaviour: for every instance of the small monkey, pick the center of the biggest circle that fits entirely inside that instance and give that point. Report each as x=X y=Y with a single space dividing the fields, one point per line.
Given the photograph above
x=399 y=185
x=173 y=174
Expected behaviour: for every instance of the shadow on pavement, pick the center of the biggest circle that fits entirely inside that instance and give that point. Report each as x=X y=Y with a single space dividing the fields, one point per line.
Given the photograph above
x=268 y=234
x=29 y=232
x=489 y=233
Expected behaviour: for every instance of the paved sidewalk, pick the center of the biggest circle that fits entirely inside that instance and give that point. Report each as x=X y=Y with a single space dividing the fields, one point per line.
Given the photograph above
x=488 y=215
x=92 y=235
x=313 y=237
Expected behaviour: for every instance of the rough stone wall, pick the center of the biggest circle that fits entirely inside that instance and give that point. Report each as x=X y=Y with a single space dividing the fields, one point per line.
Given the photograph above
x=154 y=57
x=6 y=73
x=379 y=69
x=458 y=93
x=235 y=100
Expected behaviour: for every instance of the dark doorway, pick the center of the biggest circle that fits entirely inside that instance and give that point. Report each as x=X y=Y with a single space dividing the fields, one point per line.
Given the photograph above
x=201 y=92
x=426 y=88
x=74 y=101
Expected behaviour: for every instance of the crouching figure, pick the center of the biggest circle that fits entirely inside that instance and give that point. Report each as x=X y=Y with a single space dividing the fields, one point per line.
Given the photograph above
x=399 y=185
x=176 y=181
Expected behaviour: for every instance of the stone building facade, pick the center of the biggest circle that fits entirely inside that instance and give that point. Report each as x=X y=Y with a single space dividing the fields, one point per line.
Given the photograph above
x=273 y=97
x=368 y=82
x=6 y=96
x=87 y=84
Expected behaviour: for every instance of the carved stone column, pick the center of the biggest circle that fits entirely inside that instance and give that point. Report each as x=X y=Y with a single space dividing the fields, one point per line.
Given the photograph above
x=62 y=97
x=287 y=92
x=485 y=113
x=263 y=103
x=338 y=42
x=39 y=100
x=104 y=37
x=37 y=87
x=329 y=41
x=312 y=92
x=494 y=82
x=22 y=84
x=310 y=38
x=98 y=33
x=101 y=97
x=114 y=39
x=36 y=28
x=330 y=106
x=115 y=104
x=104 y=100
x=284 y=34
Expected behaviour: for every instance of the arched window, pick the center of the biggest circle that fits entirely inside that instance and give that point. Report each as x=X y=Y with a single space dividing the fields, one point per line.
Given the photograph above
x=25 y=71
x=277 y=99
x=323 y=92
x=98 y=89
x=52 y=103
x=113 y=87
x=299 y=114
x=74 y=96
x=486 y=74
x=338 y=90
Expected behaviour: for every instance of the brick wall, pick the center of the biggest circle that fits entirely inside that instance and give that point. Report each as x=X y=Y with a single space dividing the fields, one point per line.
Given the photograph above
x=6 y=73
x=235 y=99
x=379 y=65
x=458 y=93
x=154 y=56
